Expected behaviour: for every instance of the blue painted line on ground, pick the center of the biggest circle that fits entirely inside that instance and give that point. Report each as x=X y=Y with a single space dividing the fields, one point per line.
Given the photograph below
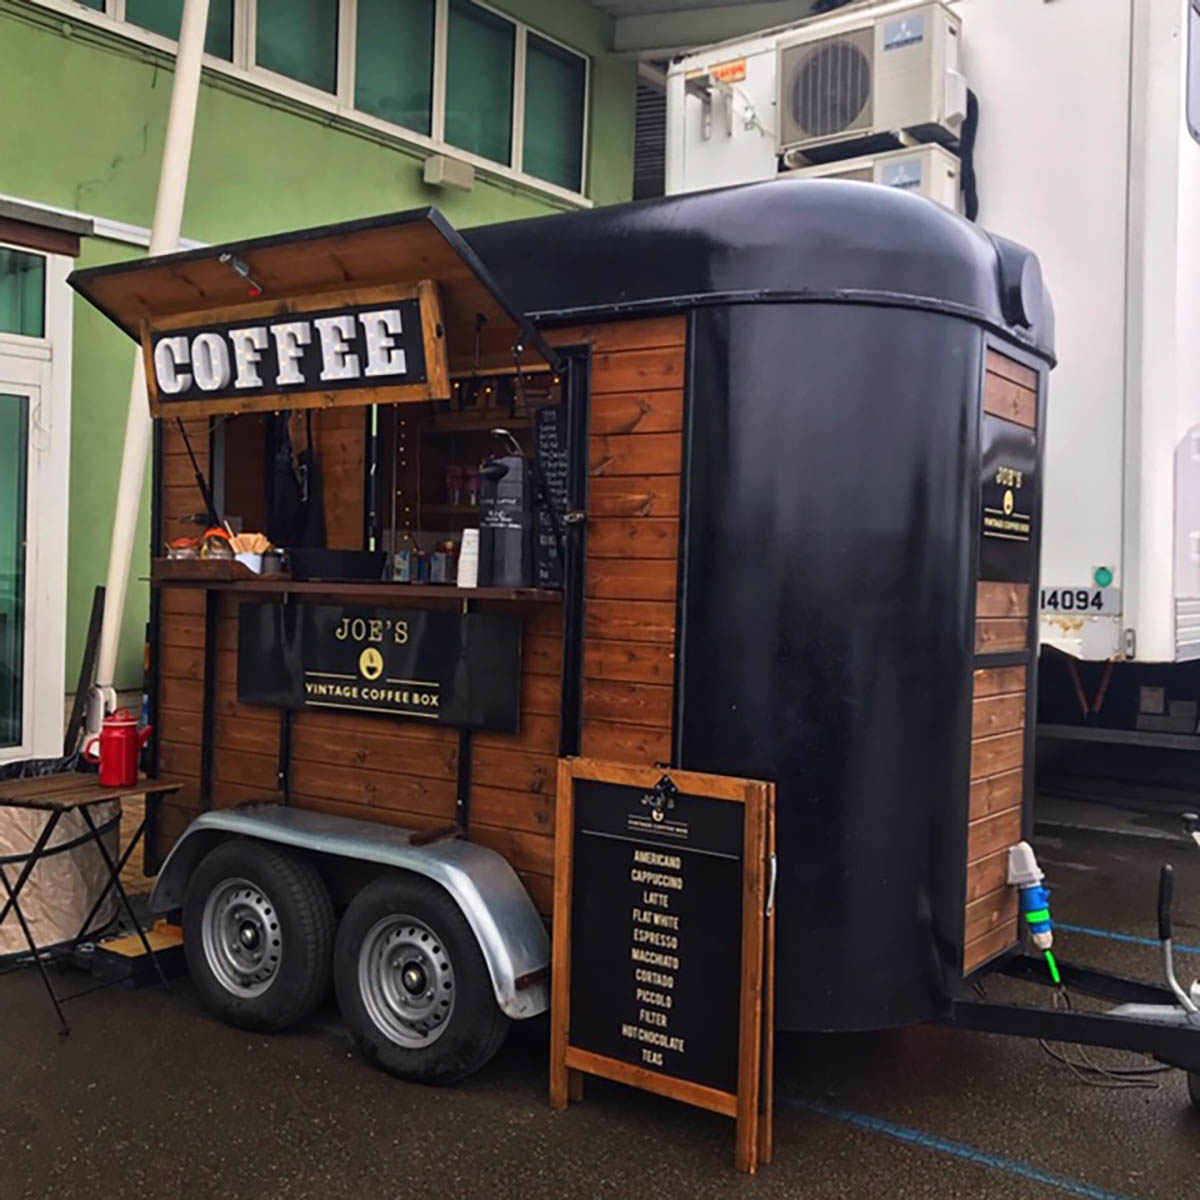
x=941 y=1145
x=1130 y=938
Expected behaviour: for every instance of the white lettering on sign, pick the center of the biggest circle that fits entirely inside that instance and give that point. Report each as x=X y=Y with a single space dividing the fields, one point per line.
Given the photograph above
x=290 y=339
x=210 y=361
x=320 y=350
x=380 y=329
x=338 y=360
x=169 y=355
x=248 y=345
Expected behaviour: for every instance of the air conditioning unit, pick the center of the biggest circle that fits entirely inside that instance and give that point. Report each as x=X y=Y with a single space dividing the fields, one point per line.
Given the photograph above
x=923 y=170
x=870 y=81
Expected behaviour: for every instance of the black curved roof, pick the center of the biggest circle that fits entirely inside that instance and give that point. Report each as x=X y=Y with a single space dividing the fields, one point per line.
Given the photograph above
x=782 y=239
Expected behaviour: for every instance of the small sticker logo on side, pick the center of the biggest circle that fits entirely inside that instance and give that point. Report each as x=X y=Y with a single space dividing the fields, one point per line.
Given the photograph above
x=905 y=31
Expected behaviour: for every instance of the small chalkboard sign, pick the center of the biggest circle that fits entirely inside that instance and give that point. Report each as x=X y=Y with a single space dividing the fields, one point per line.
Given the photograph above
x=550 y=447
x=663 y=947
x=1008 y=501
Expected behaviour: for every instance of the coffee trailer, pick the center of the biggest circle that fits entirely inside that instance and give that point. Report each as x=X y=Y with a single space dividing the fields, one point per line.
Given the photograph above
x=796 y=456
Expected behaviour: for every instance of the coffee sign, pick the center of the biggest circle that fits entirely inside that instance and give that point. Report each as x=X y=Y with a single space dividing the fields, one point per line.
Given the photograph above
x=378 y=345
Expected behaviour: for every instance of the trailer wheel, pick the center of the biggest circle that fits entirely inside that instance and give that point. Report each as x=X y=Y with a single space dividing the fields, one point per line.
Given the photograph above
x=412 y=983
x=258 y=935
x=1194 y=1088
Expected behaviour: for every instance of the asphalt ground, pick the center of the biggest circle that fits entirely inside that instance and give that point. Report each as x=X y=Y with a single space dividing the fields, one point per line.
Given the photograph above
x=149 y=1097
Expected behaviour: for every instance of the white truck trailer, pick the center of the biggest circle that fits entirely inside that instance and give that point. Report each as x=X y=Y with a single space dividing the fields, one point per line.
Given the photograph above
x=1083 y=133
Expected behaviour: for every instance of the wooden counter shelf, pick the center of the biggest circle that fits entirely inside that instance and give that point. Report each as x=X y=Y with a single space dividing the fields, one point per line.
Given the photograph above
x=366 y=590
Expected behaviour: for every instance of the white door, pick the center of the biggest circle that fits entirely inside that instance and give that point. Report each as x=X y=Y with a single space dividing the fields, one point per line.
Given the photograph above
x=34 y=462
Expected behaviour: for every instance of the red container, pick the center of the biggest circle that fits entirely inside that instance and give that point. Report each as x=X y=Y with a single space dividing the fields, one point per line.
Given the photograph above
x=120 y=742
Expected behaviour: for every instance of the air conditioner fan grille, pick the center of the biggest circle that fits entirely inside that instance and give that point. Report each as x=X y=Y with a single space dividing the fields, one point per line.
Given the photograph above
x=831 y=88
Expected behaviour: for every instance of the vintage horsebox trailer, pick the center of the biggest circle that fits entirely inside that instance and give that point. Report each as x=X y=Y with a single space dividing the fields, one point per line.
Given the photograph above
x=797 y=428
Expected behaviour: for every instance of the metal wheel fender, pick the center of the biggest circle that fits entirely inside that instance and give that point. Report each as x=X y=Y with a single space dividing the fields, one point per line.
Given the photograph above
x=496 y=905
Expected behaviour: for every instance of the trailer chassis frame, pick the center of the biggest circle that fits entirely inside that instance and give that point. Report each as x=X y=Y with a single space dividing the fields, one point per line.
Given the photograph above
x=1175 y=1043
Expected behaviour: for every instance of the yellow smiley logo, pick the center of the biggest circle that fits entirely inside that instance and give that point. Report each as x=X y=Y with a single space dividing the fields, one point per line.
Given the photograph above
x=1008 y=502
x=370 y=663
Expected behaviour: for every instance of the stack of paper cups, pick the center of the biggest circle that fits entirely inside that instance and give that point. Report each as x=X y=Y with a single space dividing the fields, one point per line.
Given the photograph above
x=468 y=559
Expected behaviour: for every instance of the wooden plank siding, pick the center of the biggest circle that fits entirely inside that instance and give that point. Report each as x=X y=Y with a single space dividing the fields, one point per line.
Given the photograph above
x=1010 y=390
x=995 y=818
x=999 y=713
x=635 y=460
x=1001 y=617
x=181 y=494
x=407 y=772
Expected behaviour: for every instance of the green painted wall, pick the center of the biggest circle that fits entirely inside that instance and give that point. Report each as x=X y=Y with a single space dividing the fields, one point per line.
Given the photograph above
x=84 y=129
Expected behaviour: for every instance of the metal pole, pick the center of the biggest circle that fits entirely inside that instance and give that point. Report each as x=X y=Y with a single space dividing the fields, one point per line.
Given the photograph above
x=164 y=237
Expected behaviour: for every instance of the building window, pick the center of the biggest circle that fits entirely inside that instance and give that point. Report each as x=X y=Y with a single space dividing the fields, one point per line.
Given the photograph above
x=555 y=94
x=164 y=16
x=393 y=75
x=14 y=462
x=22 y=293
x=480 y=72
x=298 y=38
x=455 y=73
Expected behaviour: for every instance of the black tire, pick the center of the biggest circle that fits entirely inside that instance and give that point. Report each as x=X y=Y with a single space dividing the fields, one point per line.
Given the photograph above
x=1194 y=1088
x=280 y=899
x=439 y=1032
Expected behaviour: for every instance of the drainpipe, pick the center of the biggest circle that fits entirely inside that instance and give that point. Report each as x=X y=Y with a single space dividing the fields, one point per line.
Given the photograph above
x=164 y=237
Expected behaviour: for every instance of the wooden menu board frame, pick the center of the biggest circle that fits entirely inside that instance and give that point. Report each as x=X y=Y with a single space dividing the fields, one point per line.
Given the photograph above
x=752 y=1102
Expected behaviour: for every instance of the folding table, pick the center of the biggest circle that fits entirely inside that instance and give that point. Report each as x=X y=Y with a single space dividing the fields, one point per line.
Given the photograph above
x=58 y=795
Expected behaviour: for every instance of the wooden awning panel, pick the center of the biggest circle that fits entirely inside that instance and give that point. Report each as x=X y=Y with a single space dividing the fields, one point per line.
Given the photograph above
x=400 y=249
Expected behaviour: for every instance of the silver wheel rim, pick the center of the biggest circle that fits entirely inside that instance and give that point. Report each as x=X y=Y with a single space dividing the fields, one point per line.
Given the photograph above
x=243 y=944
x=406 y=980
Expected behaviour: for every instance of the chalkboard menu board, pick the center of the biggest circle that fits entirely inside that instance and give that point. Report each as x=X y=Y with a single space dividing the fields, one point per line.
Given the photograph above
x=551 y=449
x=661 y=959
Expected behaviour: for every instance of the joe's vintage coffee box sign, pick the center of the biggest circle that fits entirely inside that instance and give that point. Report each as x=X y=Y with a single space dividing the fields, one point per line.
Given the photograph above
x=1007 y=501
x=461 y=669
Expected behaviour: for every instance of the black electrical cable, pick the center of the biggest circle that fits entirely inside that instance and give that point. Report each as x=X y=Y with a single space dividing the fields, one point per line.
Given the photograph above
x=1086 y=1070
x=969 y=184
x=1094 y=1074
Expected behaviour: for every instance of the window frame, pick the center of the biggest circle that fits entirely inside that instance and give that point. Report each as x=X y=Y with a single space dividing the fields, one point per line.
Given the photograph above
x=340 y=102
x=1191 y=101
x=587 y=100
x=40 y=367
